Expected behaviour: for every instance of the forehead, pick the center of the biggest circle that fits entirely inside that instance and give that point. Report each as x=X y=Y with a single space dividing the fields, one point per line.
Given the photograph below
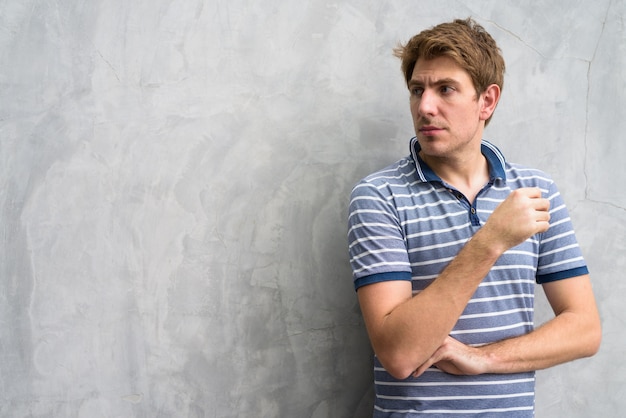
x=439 y=68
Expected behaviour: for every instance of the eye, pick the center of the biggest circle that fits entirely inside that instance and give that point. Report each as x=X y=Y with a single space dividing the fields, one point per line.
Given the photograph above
x=446 y=89
x=416 y=91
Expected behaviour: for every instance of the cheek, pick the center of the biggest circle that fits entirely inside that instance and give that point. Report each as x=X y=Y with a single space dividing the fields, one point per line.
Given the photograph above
x=414 y=105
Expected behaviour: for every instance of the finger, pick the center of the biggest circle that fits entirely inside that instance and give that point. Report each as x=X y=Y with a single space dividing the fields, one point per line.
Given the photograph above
x=543 y=217
x=421 y=369
x=448 y=367
x=531 y=192
x=541 y=204
x=543 y=226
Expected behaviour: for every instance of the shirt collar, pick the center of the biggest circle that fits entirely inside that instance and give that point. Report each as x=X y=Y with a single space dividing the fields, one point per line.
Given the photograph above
x=494 y=157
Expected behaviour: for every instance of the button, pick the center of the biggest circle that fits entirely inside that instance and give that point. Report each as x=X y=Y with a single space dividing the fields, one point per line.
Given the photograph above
x=473 y=211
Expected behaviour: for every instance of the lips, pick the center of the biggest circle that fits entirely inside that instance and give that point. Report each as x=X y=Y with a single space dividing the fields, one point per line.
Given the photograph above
x=430 y=129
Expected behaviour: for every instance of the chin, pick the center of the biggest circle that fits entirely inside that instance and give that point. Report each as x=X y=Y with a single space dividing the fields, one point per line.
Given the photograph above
x=432 y=148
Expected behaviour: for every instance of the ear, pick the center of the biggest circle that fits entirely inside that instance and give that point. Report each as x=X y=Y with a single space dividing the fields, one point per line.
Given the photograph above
x=490 y=98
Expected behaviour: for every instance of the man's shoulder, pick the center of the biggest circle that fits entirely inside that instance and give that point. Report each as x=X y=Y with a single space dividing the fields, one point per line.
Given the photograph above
x=525 y=176
x=389 y=181
x=396 y=173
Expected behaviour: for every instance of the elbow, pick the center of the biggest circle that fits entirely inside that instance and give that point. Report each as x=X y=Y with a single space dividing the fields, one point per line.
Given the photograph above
x=594 y=340
x=397 y=366
x=400 y=373
x=590 y=339
x=402 y=362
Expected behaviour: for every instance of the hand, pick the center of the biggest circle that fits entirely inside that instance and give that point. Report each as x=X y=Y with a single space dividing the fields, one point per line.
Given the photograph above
x=521 y=215
x=454 y=357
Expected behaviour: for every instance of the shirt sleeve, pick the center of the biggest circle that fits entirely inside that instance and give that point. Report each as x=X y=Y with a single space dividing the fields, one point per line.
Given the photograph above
x=377 y=244
x=560 y=256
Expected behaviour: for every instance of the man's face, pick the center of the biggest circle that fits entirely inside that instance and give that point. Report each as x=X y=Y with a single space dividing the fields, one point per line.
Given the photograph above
x=447 y=114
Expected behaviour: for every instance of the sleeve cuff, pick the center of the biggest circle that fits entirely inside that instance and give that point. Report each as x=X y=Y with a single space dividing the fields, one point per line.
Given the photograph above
x=560 y=275
x=381 y=277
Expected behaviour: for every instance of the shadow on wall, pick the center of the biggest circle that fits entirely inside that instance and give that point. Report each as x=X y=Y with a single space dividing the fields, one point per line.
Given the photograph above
x=366 y=406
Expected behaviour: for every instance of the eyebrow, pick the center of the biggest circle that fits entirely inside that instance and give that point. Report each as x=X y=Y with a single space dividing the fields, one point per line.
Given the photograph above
x=440 y=82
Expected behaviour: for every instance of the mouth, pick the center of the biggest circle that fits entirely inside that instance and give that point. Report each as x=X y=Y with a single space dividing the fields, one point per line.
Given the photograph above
x=430 y=130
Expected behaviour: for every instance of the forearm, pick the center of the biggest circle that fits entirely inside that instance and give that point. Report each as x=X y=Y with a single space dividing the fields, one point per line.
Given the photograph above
x=413 y=330
x=568 y=336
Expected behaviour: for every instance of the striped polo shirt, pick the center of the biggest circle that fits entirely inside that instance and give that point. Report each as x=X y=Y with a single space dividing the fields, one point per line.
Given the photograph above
x=406 y=223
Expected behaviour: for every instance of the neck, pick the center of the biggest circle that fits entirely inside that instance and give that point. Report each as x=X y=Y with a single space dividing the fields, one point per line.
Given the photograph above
x=467 y=173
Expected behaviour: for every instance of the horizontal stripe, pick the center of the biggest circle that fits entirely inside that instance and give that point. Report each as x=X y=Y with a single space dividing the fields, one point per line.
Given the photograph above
x=560 y=263
x=438 y=231
x=462 y=412
x=387 y=264
x=504 y=297
x=455 y=398
x=494 y=329
x=559 y=236
x=469 y=383
x=367 y=253
x=488 y=314
x=558 y=250
x=434 y=246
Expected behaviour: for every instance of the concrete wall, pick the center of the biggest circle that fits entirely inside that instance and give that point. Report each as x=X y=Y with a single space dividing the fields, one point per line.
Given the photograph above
x=174 y=178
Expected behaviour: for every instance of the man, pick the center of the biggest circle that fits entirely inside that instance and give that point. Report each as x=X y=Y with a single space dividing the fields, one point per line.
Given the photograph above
x=447 y=244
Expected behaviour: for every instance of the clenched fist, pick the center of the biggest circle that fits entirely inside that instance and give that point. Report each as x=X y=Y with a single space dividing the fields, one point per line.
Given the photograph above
x=522 y=214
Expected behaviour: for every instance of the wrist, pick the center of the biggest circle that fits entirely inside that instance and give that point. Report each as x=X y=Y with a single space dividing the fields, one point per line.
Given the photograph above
x=487 y=245
x=491 y=362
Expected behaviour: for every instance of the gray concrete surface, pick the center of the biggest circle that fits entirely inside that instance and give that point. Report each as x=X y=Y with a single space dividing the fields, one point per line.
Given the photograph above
x=174 y=182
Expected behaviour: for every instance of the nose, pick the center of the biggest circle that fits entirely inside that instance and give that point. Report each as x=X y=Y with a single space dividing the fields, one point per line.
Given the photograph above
x=427 y=104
